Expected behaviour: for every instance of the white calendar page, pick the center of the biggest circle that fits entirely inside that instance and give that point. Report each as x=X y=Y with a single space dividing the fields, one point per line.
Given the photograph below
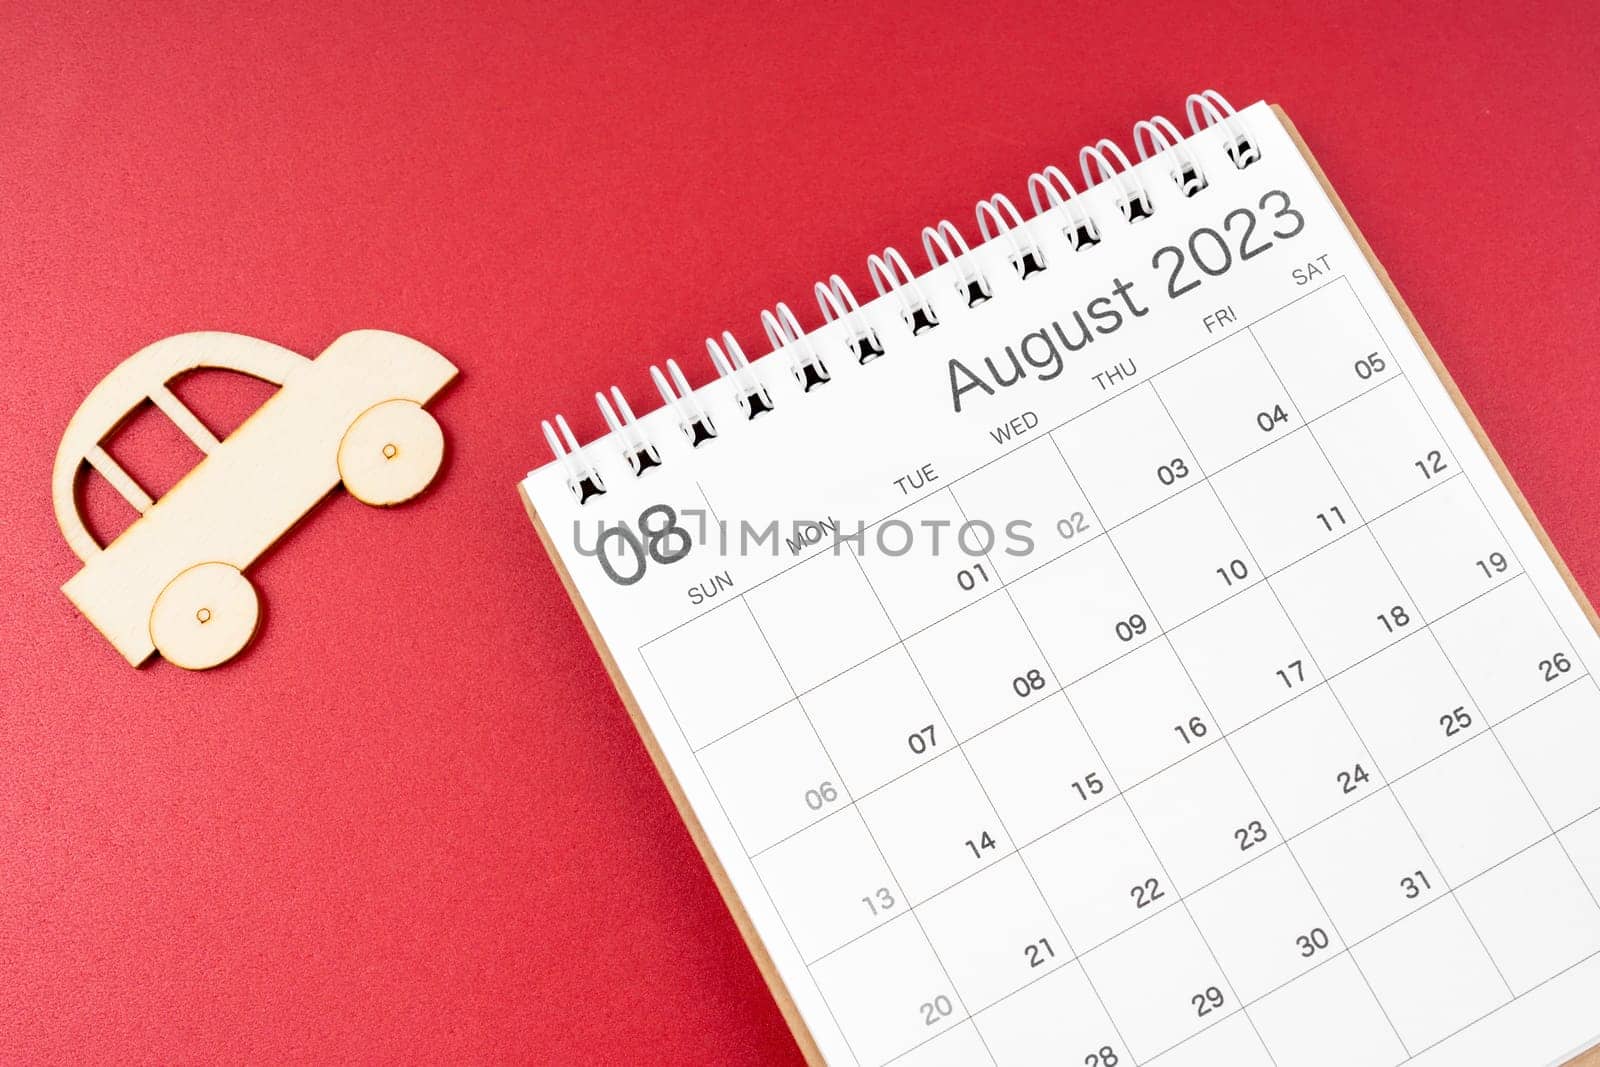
x=1275 y=743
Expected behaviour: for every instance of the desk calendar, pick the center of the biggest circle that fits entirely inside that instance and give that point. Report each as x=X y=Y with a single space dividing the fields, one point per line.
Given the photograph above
x=1113 y=646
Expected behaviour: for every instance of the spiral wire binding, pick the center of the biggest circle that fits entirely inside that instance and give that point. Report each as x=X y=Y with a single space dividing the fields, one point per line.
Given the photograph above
x=640 y=453
x=783 y=329
x=838 y=304
x=1051 y=194
x=1215 y=109
x=582 y=478
x=1135 y=200
x=1026 y=255
x=890 y=274
x=1164 y=138
x=1080 y=231
x=943 y=240
x=729 y=360
x=677 y=395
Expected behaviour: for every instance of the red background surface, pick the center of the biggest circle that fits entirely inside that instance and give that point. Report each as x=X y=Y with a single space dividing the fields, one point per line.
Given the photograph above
x=413 y=821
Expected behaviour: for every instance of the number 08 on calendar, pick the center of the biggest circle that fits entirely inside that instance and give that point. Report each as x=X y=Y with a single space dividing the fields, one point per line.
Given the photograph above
x=1113 y=645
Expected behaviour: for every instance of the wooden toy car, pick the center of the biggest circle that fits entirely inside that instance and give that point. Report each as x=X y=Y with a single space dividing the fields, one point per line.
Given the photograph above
x=172 y=581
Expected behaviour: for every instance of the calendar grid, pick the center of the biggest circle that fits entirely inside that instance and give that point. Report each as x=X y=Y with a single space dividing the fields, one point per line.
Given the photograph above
x=1388 y=786
x=1002 y=584
x=850 y=803
x=1347 y=949
x=1265 y=851
x=1434 y=423
x=1048 y=694
x=1076 y=950
x=1122 y=795
x=1016 y=850
x=1288 y=617
x=722 y=809
x=1043 y=835
x=1427 y=626
x=1329 y=958
x=1490 y=729
x=1165 y=635
x=1577 y=657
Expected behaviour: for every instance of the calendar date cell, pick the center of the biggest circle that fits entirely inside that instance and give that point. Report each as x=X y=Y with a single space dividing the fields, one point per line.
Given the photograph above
x=931 y=564
x=820 y=618
x=994 y=933
x=1227 y=402
x=1245 y=657
x=1127 y=455
x=1327 y=1017
x=716 y=673
x=877 y=721
x=1408 y=704
x=773 y=778
x=1535 y=915
x=888 y=991
x=1084 y=610
x=1030 y=491
x=1552 y=745
x=1286 y=501
x=1346 y=602
x=1508 y=650
x=982 y=666
x=1160 y=983
x=1471 y=809
x=1040 y=768
x=1186 y=556
x=1203 y=818
x=1385 y=449
x=1431 y=973
x=1445 y=548
x=1324 y=348
x=1143 y=713
x=1265 y=924
x=831 y=884
x=1060 y=1012
x=1367 y=866
x=1306 y=761
x=1100 y=876
x=935 y=826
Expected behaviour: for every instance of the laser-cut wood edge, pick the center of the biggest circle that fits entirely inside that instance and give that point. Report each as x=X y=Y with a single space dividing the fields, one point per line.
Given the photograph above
x=249 y=489
x=752 y=938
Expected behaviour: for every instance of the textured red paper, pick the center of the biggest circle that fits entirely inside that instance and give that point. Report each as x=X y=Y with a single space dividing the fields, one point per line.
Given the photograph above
x=413 y=821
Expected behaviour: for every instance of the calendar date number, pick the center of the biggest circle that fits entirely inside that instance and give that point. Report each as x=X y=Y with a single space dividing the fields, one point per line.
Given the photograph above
x=624 y=553
x=879 y=900
x=1554 y=667
x=937 y=1010
x=1213 y=253
x=1207 y=1001
x=821 y=796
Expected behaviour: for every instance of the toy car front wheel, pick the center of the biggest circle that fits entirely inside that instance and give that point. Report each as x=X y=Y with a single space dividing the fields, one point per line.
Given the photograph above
x=390 y=453
x=204 y=616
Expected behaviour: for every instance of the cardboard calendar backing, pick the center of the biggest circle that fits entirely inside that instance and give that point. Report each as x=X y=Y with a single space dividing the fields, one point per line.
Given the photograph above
x=741 y=917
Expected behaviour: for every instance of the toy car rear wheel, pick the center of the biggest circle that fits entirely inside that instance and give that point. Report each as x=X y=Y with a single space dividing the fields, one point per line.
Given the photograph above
x=204 y=616
x=390 y=453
